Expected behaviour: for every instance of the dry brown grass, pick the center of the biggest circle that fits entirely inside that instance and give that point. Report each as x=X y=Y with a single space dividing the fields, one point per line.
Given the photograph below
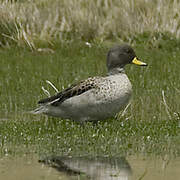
x=27 y=22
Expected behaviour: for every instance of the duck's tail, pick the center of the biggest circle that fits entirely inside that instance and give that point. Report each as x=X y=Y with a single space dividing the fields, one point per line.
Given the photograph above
x=39 y=110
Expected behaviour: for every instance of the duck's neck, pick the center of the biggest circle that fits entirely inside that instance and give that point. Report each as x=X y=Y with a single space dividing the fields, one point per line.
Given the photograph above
x=115 y=71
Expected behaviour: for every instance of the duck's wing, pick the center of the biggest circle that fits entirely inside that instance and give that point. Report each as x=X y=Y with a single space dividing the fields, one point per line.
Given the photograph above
x=74 y=90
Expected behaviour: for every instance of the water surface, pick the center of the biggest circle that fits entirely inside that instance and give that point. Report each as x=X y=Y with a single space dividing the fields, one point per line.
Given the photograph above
x=67 y=168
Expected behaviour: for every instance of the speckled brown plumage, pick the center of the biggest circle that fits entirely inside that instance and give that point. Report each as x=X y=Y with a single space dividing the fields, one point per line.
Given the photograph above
x=74 y=90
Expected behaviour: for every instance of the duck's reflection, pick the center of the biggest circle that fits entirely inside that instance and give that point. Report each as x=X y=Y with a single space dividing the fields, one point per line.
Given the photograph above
x=99 y=168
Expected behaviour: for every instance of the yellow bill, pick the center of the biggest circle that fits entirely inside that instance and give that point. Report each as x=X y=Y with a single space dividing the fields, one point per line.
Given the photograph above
x=138 y=62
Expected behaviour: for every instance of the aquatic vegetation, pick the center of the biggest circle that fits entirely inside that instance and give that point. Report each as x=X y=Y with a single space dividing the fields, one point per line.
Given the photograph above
x=149 y=125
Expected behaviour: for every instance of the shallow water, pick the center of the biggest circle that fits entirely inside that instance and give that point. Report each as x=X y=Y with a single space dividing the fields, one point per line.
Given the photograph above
x=67 y=168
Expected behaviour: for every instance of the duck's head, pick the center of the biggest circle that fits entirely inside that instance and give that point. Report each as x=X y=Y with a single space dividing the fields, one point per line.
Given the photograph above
x=119 y=56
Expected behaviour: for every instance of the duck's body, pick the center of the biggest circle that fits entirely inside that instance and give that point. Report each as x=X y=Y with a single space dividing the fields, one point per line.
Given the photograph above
x=96 y=98
x=107 y=97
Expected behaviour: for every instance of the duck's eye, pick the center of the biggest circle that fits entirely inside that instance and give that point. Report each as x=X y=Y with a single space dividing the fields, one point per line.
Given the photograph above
x=128 y=51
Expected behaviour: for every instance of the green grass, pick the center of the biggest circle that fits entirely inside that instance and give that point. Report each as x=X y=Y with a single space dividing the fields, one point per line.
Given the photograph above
x=149 y=126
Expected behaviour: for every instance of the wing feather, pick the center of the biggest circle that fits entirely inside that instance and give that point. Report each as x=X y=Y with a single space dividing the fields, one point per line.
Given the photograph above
x=74 y=90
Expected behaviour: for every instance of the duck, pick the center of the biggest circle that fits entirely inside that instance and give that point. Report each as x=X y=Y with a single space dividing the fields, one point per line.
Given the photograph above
x=95 y=98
